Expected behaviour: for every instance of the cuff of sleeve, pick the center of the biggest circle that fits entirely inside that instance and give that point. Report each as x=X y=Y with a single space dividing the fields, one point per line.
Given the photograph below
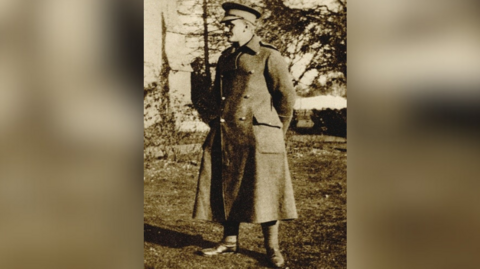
x=285 y=122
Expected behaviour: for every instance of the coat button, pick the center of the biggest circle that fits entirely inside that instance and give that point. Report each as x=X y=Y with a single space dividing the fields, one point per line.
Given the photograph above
x=247 y=96
x=243 y=118
x=223 y=97
x=251 y=71
x=222 y=120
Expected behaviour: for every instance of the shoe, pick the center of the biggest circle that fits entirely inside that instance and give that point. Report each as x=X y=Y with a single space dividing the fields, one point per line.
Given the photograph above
x=275 y=257
x=220 y=248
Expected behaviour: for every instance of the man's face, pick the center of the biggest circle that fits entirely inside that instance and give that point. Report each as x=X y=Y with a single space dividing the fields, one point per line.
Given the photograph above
x=235 y=30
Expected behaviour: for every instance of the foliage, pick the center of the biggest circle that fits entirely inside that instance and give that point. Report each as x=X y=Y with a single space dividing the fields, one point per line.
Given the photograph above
x=326 y=121
x=312 y=38
x=162 y=139
x=330 y=121
x=317 y=32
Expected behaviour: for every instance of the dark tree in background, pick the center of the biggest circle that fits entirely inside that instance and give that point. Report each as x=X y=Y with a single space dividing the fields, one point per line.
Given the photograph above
x=318 y=31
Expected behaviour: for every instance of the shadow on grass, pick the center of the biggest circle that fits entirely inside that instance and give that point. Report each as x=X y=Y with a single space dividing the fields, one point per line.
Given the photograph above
x=171 y=239
x=174 y=239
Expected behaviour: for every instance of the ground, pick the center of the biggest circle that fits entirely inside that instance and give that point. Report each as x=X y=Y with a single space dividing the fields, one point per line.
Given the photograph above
x=317 y=239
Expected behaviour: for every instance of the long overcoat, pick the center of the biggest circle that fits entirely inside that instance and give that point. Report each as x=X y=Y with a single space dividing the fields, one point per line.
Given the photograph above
x=244 y=174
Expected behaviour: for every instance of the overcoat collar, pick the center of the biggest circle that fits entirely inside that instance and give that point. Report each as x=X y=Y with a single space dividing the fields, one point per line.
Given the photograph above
x=254 y=44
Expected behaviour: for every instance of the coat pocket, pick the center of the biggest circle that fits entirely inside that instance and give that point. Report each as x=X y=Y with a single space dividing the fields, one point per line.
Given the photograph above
x=268 y=118
x=268 y=138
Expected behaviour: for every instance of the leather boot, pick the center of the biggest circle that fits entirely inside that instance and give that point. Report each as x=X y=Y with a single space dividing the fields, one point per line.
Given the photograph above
x=220 y=248
x=275 y=257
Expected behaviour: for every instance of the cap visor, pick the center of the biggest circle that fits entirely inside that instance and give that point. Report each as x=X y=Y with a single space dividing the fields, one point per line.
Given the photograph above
x=230 y=18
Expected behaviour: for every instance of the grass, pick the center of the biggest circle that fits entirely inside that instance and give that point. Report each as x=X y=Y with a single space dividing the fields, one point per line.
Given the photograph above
x=316 y=240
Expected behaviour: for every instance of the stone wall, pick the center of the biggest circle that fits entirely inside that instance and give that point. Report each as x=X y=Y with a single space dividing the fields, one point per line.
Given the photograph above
x=182 y=23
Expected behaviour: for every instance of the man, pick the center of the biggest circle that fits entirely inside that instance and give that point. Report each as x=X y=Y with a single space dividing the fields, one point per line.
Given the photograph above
x=244 y=175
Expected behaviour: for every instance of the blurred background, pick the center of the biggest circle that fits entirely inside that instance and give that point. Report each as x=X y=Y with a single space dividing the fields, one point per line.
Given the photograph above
x=71 y=133
x=413 y=128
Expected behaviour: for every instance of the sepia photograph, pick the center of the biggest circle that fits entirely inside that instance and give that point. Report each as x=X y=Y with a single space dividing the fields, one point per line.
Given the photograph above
x=241 y=136
x=245 y=139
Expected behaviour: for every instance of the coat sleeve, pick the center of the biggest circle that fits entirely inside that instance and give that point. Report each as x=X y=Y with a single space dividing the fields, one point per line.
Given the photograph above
x=280 y=85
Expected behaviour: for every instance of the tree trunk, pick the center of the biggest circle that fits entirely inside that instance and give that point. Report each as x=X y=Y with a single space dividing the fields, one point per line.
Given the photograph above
x=164 y=73
x=206 y=47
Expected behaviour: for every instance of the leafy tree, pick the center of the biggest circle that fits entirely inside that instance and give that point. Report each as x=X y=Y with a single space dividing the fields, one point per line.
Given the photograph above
x=316 y=34
x=312 y=38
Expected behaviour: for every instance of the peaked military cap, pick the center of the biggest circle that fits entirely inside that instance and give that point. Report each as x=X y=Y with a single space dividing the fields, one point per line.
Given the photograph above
x=234 y=11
